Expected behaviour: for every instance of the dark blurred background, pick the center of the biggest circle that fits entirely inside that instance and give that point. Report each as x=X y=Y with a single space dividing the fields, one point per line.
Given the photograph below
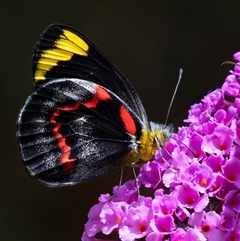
x=149 y=41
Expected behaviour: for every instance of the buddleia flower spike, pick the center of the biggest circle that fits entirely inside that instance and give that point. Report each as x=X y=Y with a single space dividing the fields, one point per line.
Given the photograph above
x=198 y=196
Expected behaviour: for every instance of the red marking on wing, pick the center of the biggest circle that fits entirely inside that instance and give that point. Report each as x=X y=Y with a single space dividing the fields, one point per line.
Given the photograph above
x=69 y=108
x=128 y=121
x=101 y=94
x=91 y=103
x=65 y=148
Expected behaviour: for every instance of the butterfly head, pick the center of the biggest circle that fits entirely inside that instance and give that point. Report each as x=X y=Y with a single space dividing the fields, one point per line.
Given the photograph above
x=150 y=140
x=163 y=132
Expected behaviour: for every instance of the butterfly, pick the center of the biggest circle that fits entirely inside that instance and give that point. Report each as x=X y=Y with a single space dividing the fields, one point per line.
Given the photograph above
x=83 y=118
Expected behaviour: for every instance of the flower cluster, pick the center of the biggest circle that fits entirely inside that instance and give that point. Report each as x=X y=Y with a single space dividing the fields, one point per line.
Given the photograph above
x=195 y=180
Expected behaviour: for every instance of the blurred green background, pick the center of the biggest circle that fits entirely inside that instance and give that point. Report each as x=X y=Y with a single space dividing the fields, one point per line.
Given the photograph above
x=149 y=41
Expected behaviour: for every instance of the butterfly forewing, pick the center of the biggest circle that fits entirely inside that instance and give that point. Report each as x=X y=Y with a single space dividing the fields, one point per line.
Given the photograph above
x=63 y=52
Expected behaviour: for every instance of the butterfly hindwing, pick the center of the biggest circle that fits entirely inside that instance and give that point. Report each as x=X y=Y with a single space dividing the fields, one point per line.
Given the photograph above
x=72 y=130
x=63 y=52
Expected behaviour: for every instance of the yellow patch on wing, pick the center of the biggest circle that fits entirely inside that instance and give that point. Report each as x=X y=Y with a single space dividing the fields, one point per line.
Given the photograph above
x=65 y=46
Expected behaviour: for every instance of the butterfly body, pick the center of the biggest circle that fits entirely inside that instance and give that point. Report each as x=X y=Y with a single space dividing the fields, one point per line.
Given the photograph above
x=83 y=118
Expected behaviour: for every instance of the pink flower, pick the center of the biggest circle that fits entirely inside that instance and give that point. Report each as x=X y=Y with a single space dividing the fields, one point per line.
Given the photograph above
x=233 y=234
x=112 y=215
x=136 y=222
x=150 y=175
x=207 y=224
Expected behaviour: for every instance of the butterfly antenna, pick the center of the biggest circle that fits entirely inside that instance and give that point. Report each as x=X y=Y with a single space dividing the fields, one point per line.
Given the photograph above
x=184 y=145
x=173 y=96
x=193 y=102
